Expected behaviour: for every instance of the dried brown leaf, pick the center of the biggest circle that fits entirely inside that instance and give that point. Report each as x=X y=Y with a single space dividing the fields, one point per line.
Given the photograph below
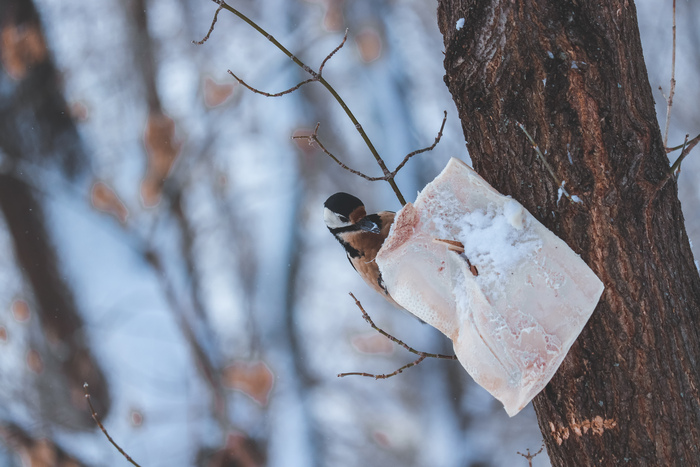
x=34 y=361
x=255 y=379
x=79 y=111
x=21 y=46
x=162 y=150
x=136 y=417
x=215 y=93
x=20 y=310
x=369 y=44
x=104 y=198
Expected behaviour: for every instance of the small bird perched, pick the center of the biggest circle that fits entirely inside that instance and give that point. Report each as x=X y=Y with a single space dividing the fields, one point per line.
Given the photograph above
x=361 y=235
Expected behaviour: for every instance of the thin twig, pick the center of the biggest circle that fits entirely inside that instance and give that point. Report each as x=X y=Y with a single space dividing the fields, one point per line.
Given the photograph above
x=328 y=57
x=267 y=94
x=313 y=138
x=549 y=168
x=211 y=28
x=99 y=423
x=529 y=456
x=669 y=101
x=675 y=169
x=693 y=141
x=393 y=339
x=685 y=150
x=421 y=355
x=317 y=77
x=420 y=151
x=686 y=147
x=388 y=375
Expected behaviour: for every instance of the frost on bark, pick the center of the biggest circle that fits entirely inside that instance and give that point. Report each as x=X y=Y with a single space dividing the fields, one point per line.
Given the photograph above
x=573 y=74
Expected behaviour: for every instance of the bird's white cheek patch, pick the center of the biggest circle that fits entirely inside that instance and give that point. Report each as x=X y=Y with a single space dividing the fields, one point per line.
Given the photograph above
x=513 y=322
x=332 y=220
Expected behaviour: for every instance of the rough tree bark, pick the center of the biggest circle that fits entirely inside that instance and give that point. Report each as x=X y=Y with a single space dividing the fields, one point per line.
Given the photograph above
x=573 y=73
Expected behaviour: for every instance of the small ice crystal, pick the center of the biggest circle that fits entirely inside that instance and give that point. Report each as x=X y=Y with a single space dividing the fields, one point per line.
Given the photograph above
x=561 y=191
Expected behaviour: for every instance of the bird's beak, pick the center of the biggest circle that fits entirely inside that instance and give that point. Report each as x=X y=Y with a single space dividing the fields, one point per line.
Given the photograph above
x=368 y=226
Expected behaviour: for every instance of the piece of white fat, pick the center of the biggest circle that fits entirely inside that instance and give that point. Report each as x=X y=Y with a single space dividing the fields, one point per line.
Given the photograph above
x=514 y=321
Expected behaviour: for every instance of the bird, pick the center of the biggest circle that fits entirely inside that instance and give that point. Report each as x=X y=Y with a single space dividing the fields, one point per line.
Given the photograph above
x=361 y=235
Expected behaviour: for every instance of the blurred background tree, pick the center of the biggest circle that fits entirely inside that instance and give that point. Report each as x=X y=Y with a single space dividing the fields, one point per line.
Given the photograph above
x=162 y=239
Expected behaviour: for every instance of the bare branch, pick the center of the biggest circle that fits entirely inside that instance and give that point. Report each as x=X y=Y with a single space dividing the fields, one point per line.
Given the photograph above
x=317 y=77
x=385 y=376
x=267 y=94
x=529 y=456
x=549 y=168
x=328 y=57
x=669 y=101
x=686 y=147
x=313 y=138
x=393 y=339
x=420 y=151
x=211 y=28
x=421 y=355
x=693 y=141
x=99 y=423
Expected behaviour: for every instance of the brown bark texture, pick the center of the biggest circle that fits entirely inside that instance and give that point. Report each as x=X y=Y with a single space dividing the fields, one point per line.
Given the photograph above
x=572 y=72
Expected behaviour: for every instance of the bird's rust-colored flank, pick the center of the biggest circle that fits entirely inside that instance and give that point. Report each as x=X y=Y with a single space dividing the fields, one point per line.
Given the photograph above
x=361 y=235
x=368 y=244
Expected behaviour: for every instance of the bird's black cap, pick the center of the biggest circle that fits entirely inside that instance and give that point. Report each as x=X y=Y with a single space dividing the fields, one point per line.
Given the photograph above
x=343 y=203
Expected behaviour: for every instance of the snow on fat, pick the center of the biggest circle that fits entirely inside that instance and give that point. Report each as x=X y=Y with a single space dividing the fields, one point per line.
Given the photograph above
x=511 y=323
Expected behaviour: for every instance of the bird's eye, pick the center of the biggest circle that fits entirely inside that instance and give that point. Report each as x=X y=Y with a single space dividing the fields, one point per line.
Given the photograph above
x=343 y=218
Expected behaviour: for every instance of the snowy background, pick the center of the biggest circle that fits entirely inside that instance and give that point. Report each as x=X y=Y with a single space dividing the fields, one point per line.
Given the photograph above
x=216 y=302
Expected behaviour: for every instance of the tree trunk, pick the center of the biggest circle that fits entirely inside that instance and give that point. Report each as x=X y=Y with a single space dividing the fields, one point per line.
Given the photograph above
x=37 y=132
x=572 y=72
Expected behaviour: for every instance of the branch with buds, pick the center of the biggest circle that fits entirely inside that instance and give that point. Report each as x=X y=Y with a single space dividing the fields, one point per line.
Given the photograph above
x=313 y=138
x=529 y=456
x=93 y=413
x=317 y=76
x=687 y=146
x=421 y=355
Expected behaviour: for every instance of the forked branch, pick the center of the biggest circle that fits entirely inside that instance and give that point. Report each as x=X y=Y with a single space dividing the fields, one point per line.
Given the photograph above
x=315 y=75
x=529 y=456
x=313 y=138
x=318 y=76
x=421 y=355
x=685 y=148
